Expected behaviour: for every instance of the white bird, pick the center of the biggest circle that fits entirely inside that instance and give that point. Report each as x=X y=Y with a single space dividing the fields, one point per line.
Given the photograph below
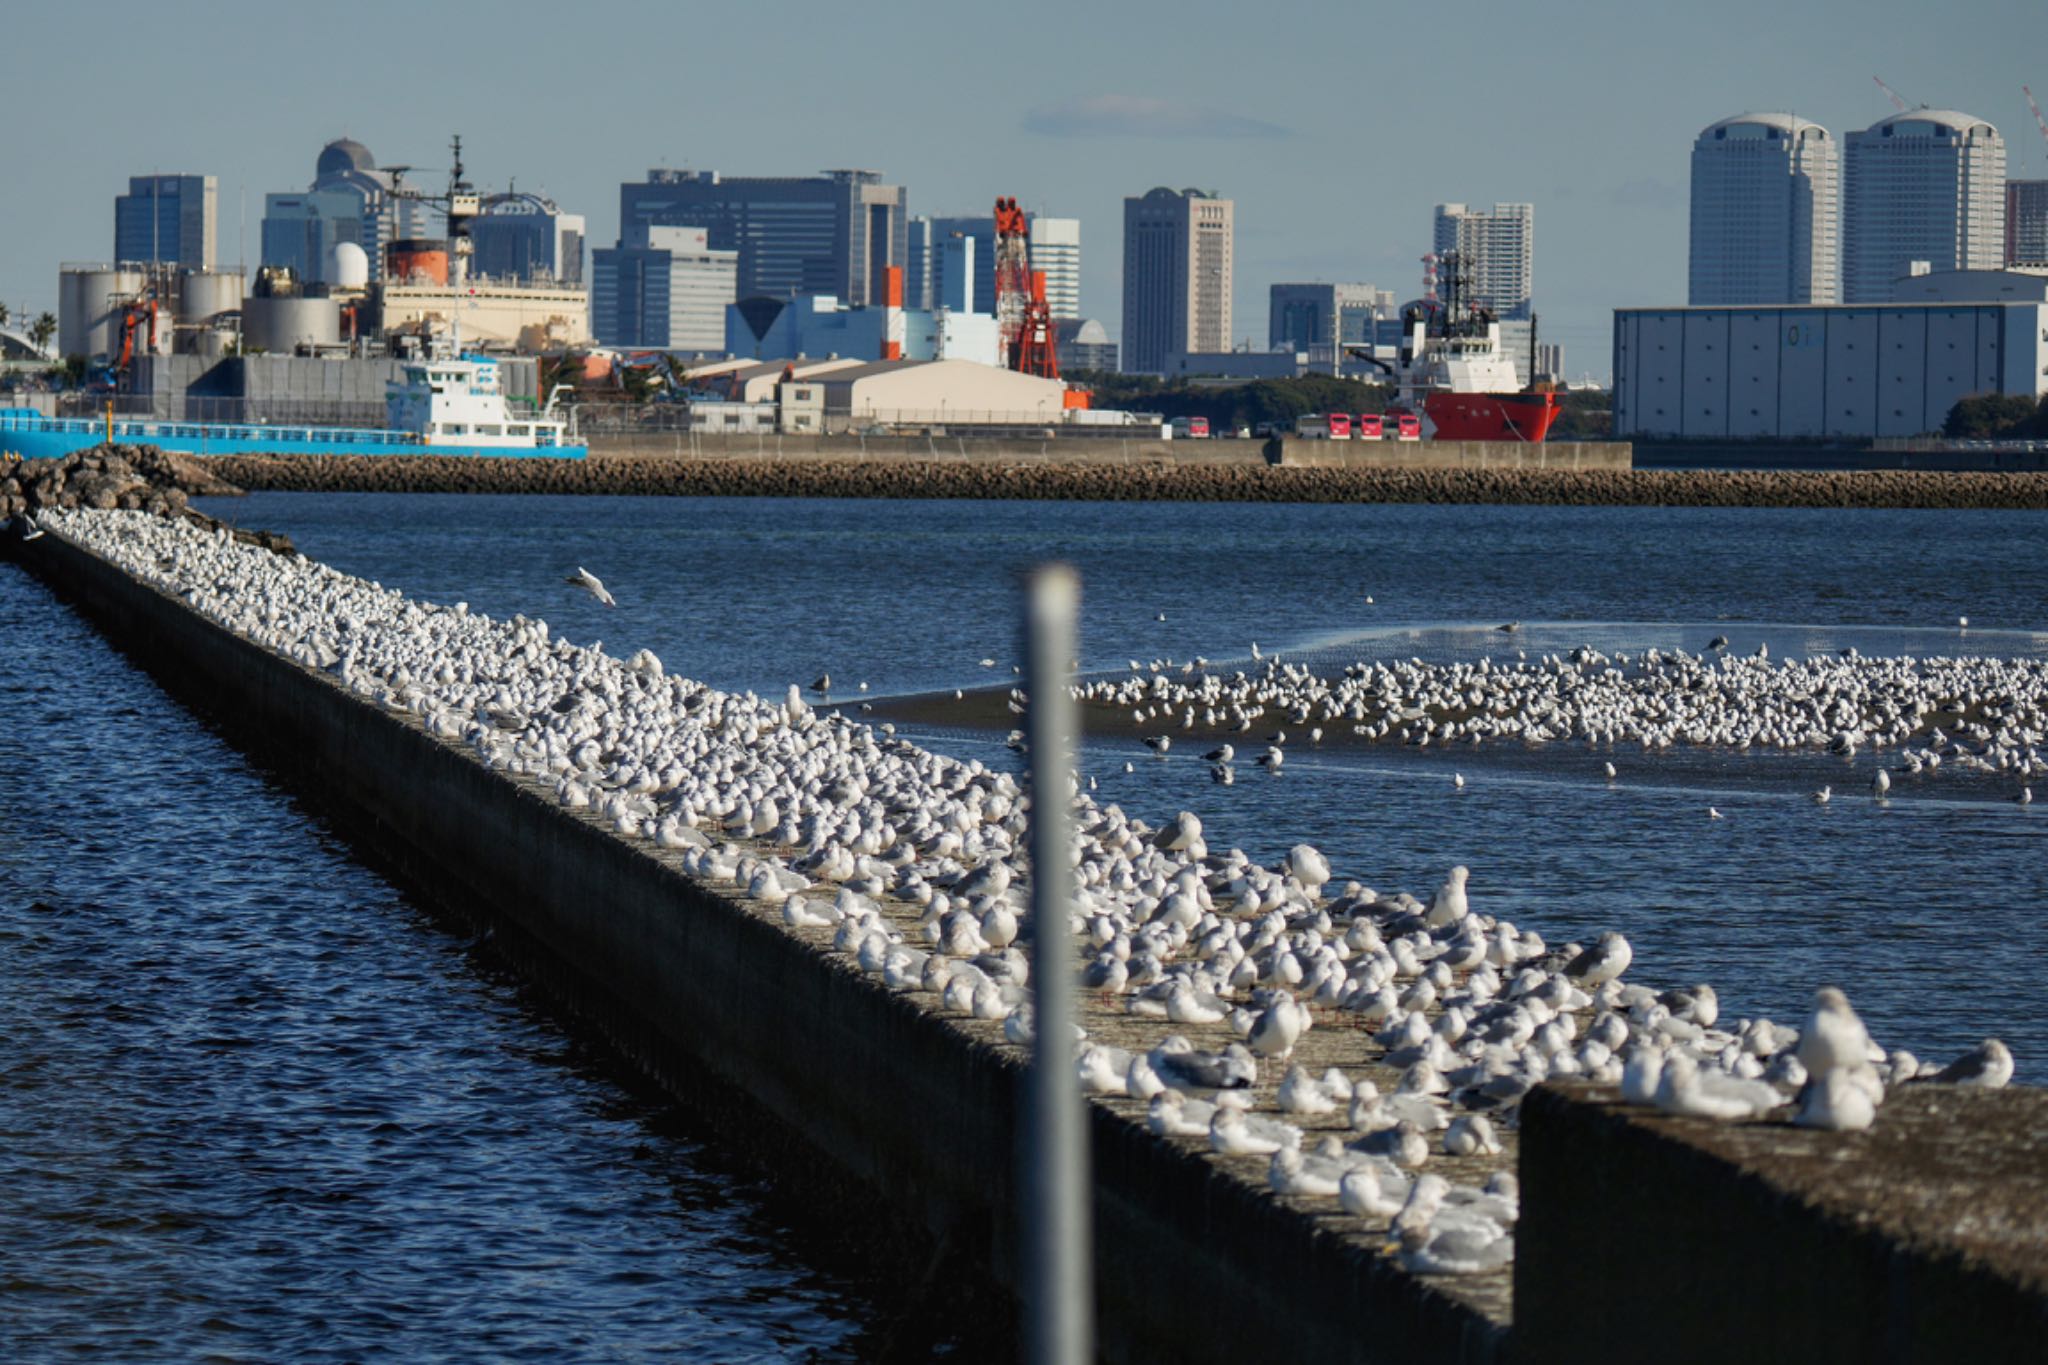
x=1458 y=781
x=1713 y=814
x=590 y=583
x=1362 y=1195
x=1880 y=784
x=1833 y=1038
x=1821 y=797
x=1834 y=1101
x=1609 y=769
x=1988 y=1066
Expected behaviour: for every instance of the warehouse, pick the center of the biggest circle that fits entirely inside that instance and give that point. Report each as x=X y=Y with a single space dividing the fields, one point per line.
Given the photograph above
x=1822 y=371
x=937 y=392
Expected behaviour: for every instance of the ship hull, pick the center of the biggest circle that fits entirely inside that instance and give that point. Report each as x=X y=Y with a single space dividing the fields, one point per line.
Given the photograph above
x=1523 y=417
x=35 y=437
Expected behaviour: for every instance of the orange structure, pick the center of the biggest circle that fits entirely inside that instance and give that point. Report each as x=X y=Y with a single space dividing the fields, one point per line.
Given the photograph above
x=1024 y=331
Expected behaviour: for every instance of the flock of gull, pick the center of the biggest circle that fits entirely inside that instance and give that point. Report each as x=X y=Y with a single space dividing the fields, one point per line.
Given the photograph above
x=913 y=865
x=1970 y=713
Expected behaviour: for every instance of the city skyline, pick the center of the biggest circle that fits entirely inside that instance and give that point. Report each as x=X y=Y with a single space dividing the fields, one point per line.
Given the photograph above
x=1187 y=95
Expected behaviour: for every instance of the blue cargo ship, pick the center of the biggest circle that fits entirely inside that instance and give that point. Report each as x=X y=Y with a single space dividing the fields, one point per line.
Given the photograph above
x=443 y=407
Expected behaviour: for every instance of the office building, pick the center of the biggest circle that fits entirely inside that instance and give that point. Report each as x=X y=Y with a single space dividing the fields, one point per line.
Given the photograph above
x=830 y=234
x=172 y=219
x=1497 y=247
x=1927 y=186
x=919 y=243
x=1318 y=320
x=2026 y=222
x=1894 y=369
x=525 y=239
x=1178 y=249
x=668 y=290
x=1765 y=212
x=1084 y=344
x=1055 y=252
x=350 y=200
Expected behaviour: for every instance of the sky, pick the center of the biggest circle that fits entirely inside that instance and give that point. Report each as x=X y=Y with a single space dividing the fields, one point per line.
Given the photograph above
x=1335 y=127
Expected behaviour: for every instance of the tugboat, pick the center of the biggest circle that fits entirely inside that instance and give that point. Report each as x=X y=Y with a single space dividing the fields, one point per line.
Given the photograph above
x=1450 y=369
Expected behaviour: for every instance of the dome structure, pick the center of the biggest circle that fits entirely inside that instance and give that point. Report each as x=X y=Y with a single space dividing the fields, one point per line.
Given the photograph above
x=341 y=156
x=348 y=266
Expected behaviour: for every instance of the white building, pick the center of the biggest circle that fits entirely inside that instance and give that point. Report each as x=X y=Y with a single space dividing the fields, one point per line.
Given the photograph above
x=667 y=290
x=1926 y=185
x=1498 y=247
x=939 y=393
x=1765 y=212
x=1839 y=371
x=1056 y=251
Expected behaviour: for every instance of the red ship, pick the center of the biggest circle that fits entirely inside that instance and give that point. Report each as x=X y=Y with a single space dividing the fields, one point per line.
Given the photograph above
x=1450 y=368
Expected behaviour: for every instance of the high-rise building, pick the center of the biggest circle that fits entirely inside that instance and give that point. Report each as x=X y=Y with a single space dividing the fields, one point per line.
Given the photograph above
x=523 y=238
x=1497 y=247
x=1178 y=249
x=1318 y=318
x=169 y=218
x=2026 y=222
x=1056 y=253
x=1925 y=185
x=829 y=234
x=667 y=289
x=920 y=246
x=1765 y=210
x=350 y=200
x=946 y=234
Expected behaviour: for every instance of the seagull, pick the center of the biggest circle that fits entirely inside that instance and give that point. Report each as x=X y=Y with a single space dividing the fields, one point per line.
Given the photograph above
x=1458 y=781
x=1718 y=642
x=29 y=529
x=1608 y=768
x=1713 y=814
x=1880 y=784
x=1160 y=617
x=1601 y=963
x=1988 y=1066
x=1962 y=623
x=824 y=683
x=2026 y=796
x=1822 y=797
x=1509 y=628
x=590 y=583
x=1272 y=758
x=1221 y=774
x=1222 y=755
x=1159 y=744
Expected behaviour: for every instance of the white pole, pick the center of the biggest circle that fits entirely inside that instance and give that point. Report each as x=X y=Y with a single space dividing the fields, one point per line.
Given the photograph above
x=1059 y=1278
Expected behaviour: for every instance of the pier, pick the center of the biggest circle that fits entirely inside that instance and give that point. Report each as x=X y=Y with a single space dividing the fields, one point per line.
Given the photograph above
x=1655 y=1220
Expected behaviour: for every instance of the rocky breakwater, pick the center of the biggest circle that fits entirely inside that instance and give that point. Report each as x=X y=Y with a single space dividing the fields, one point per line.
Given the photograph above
x=997 y=477
x=111 y=478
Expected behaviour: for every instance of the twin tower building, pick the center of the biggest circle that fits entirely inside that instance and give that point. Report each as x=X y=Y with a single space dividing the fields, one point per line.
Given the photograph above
x=1781 y=214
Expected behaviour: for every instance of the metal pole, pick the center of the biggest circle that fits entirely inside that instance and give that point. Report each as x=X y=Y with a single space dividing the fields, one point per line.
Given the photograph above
x=1059 y=1262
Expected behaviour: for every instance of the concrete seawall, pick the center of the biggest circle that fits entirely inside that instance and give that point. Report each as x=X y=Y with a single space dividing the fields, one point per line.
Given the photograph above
x=1034 y=477
x=1195 y=1262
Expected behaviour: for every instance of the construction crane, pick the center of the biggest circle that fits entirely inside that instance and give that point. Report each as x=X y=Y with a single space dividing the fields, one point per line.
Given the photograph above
x=1024 y=330
x=1891 y=95
x=2040 y=122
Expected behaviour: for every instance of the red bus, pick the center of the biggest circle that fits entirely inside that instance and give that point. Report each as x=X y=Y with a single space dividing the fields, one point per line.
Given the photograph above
x=1319 y=426
x=1411 y=427
x=1370 y=427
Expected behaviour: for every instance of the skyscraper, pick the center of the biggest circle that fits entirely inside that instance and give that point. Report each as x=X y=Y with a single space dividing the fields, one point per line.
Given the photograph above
x=350 y=201
x=829 y=234
x=1318 y=318
x=1765 y=207
x=2026 y=222
x=1178 y=248
x=1497 y=247
x=1056 y=252
x=669 y=290
x=1926 y=185
x=521 y=238
x=168 y=218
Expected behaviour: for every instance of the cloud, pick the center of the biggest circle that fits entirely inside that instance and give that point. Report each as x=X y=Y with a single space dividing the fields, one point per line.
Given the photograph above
x=1141 y=116
x=1645 y=194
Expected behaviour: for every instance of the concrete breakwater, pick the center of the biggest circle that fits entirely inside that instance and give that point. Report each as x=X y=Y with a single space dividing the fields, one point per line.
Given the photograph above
x=1200 y=1260
x=905 y=477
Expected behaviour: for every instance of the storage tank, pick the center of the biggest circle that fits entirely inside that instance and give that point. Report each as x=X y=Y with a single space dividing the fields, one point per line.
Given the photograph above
x=282 y=325
x=348 y=266
x=416 y=260
x=205 y=294
x=91 y=300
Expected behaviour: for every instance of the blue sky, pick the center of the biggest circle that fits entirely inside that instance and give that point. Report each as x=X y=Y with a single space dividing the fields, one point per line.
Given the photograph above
x=1335 y=127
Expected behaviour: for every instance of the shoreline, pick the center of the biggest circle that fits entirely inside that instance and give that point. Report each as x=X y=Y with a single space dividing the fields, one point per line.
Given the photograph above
x=1000 y=478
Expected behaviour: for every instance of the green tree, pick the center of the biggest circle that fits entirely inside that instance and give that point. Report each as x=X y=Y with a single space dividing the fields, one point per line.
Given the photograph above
x=42 y=329
x=4 y=315
x=1981 y=416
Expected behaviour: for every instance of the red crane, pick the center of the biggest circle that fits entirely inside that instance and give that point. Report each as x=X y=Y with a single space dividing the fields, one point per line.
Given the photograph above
x=1024 y=331
x=2038 y=119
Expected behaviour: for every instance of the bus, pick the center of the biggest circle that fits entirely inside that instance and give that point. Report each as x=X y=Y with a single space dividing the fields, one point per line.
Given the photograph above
x=1369 y=427
x=1192 y=428
x=1410 y=427
x=1323 y=426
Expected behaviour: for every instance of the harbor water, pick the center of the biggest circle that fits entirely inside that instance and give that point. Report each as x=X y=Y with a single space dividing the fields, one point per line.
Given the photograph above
x=257 y=1104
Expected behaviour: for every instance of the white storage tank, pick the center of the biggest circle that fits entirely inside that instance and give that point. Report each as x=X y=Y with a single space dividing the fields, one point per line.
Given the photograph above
x=91 y=301
x=206 y=294
x=348 y=266
x=282 y=325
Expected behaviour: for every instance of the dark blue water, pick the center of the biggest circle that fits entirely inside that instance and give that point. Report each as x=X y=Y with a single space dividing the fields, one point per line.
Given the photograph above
x=1924 y=908
x=254 y=1105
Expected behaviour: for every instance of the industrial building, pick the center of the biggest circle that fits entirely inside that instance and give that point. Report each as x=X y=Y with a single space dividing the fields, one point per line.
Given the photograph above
x=821 y=325
x=104 y=308
x=830 y=234
x=1179 y=249
x=2026 y=222
x=1498 y=249
x=1926 y=185
x=1765 y=213
x=940 y=392
x=669 y=290
x=171 y=219
x=1839 y=371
